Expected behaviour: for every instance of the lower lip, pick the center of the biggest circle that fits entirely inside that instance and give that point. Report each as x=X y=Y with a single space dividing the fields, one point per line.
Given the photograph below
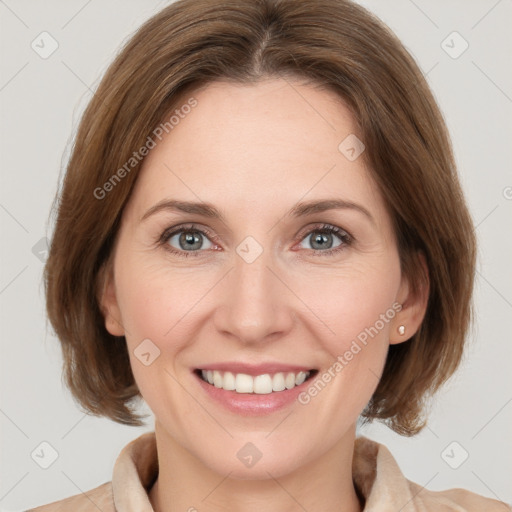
x=252 y=404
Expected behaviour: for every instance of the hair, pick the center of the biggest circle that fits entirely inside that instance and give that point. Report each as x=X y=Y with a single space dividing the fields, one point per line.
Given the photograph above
x=335 y=44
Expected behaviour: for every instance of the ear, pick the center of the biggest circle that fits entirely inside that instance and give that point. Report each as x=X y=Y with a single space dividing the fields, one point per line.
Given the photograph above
x=414 y=305
x=108 y=300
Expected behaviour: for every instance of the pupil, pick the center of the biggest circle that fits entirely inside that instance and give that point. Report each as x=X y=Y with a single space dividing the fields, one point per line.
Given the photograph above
x=322 y=240
x=190 y=241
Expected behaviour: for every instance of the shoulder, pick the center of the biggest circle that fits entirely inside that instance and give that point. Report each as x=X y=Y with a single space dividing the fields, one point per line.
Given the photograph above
x=99 y=498
x=135 y=471
x=456 y=500
x=380 y=481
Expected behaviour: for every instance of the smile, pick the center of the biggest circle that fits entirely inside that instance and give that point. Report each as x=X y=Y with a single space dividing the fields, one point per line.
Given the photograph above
x=257 y=384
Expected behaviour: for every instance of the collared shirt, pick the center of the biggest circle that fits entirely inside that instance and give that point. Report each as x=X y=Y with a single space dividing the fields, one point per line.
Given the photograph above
x=375 y=474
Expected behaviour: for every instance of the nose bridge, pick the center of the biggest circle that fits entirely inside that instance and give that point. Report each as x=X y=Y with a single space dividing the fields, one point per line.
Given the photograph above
x=253 y=303
x=251 y=279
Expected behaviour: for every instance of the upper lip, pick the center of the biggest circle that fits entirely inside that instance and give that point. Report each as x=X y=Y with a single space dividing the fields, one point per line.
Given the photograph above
x=255 y=369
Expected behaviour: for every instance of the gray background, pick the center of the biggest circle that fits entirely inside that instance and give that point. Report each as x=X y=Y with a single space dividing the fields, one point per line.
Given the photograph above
x=41 y=102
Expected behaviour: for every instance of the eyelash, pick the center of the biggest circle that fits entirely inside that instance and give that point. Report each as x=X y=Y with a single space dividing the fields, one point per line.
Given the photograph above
x=343 y=235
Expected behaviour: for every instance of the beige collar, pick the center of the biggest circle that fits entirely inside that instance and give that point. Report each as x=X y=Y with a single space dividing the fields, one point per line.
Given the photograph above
x=375 y=472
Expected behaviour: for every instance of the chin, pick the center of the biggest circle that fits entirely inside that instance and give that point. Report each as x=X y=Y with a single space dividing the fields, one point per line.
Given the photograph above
x=263 y=469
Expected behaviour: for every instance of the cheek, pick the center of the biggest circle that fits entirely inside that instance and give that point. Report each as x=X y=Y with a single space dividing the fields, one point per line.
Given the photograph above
x=150 y=308
x=153 y=299
x=154 y=314
x=351 y=301
x=339 y=304
x=355 y=306
x=165 y=307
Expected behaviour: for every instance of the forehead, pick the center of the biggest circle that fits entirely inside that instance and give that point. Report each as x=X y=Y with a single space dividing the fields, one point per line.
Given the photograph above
x=277 y=118
x=268 y=143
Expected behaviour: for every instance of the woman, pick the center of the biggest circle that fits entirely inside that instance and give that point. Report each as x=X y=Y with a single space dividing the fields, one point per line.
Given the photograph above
x=261 y=232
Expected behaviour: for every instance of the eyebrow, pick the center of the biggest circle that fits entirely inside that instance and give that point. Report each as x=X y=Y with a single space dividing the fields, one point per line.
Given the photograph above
x=311 y=207
x=299 y=210
x=204 y=209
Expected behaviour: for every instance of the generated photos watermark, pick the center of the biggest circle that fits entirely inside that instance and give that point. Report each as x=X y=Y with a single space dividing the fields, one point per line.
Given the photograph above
x=344 y=359
x=151 y=142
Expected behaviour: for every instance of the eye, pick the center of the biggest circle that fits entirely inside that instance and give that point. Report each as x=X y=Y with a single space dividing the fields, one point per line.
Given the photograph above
x=327 y=239
x=191 y=240
x=182 y=240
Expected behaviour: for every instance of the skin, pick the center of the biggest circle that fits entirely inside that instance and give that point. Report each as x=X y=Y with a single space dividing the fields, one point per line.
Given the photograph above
x=254 y=152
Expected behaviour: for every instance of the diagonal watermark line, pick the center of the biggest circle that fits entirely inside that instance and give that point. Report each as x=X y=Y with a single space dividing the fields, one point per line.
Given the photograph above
x=85 y=415
x=199 y=403
x=78 y=77
x=316 y=316
x=424 y=13
x=497 y=497
x=85 y=494
x=118 y=322
x=103 y=101
x=13 y=279
x=5 y=495
x=488 y=215
x=416 y=494
x=304 y=195
x=76 y=14
x=431 y=431
x=198 y=301
x=280 y=423
x=486 y=14
x=199 y=199
x=432 y=68
x=13 y=218
x=81 y=419
x=492 y=81
x=13 y=13
x=286 y=491
x=217 y=486
x=309 y=104
x=494 y=288
x=14 y=76
x=14 y=423
x=501 y=409
x=378 y=377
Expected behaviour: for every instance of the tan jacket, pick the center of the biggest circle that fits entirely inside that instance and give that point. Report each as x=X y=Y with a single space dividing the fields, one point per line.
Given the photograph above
x=375 y=473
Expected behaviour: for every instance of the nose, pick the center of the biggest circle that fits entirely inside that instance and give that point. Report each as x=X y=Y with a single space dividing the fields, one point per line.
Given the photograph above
x=255 y=304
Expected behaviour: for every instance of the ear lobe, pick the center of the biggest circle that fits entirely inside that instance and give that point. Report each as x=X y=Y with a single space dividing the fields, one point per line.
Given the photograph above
x=108 y=301
x=414 y=301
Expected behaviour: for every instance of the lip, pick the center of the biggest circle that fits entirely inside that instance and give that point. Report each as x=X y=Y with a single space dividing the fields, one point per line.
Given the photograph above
x=252 y=404
x=254 y=369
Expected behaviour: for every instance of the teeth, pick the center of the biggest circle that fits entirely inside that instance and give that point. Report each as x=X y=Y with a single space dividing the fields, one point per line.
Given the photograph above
x=229 y=382
x=244 y=383
x=263 y=384
x=289 y=380
x=260 y=385
x=278 y=382
x=300 y=378
x=217 y=379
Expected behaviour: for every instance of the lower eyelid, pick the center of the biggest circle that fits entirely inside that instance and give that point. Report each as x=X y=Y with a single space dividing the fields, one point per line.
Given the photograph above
x=331 y=251
x=345 y=238
x=166 y=237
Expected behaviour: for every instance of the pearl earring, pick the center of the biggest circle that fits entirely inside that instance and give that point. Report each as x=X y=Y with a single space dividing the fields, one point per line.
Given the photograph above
x=401 y=330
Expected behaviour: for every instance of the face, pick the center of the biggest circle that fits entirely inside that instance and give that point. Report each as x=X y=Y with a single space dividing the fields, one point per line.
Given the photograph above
x=252 y=285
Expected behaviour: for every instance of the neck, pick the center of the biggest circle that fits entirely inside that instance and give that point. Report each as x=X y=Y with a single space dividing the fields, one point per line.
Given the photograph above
x=184 y=483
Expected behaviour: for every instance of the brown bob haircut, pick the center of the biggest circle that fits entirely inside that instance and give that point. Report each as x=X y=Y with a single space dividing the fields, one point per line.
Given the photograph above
x=335 y=44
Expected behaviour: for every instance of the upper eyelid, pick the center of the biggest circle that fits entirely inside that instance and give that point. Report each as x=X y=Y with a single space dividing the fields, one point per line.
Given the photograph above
x=302 y=234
